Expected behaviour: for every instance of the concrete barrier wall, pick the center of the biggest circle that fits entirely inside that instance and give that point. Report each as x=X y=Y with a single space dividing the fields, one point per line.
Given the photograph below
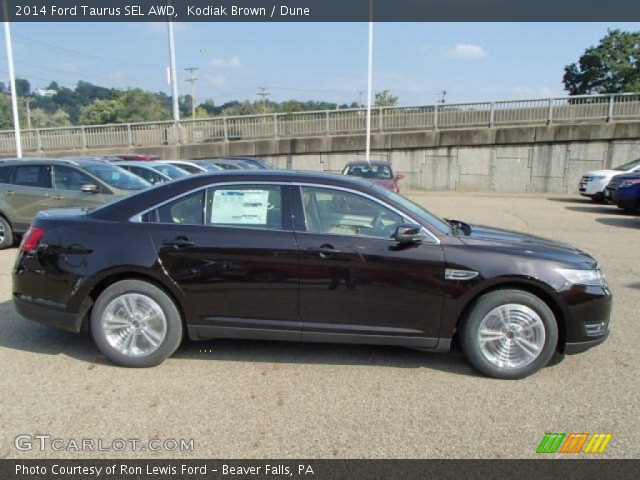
x=516 y=159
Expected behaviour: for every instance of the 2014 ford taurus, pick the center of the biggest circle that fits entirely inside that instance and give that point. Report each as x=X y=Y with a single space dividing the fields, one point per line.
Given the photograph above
x=305 y=257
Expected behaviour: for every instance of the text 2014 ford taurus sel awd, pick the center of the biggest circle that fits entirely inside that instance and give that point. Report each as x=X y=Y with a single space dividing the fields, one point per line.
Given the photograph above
x=305 y=257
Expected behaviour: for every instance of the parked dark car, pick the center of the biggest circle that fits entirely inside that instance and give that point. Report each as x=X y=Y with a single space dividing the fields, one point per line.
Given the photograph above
x=376 y=172
x=233 y=165
x=311 y=257
x=30 y=185
x=624 y=191
x=249 y=162
x=137 y=157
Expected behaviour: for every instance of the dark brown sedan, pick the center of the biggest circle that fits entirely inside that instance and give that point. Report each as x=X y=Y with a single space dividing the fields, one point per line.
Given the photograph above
x=273 y=255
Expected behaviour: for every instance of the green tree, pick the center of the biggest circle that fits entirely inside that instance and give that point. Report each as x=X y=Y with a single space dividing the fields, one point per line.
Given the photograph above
x=42 y=119
x=291 y=106
x=102 y=112
x=23 y=87
x=385 y=99
x=613 y=66
x=141 y=106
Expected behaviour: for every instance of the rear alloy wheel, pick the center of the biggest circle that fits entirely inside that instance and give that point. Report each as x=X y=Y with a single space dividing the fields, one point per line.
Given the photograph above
x=509 y=334
x=6 y=234
x=136 y=324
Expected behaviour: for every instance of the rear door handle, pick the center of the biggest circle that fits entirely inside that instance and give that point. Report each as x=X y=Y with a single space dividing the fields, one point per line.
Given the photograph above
x=179 y=242
x=57 y=197
x=324 y=251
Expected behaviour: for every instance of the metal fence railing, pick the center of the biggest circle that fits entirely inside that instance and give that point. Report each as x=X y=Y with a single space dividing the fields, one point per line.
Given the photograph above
x=585 y=108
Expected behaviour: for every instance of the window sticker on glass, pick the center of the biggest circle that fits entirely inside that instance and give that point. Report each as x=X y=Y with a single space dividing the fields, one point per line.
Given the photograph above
x=240 y=207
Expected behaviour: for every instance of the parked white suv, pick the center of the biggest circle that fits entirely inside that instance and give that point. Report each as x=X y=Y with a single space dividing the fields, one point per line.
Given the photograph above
x=593 y=183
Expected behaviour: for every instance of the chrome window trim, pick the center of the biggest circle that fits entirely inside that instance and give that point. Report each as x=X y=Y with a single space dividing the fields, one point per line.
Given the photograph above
x=138 y=218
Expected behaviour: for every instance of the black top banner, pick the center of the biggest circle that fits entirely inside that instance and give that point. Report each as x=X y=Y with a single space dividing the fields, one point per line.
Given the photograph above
x=319 y=10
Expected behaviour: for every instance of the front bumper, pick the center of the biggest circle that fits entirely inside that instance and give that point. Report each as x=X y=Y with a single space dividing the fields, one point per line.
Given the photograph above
x=571 y=348
x=48 y=313
x=587 y=312
x=592 y=188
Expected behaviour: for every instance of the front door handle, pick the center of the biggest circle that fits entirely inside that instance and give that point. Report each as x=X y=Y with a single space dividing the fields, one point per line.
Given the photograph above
x=323 y=251
x=178 y=243
x=57 y=197
x=8 y=192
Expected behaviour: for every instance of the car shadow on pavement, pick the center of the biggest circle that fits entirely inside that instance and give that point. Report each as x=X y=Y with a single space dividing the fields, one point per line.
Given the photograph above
x=27 y=336
x=599 y=209
x=572 y=200
x=323 y=354
x=624 y=222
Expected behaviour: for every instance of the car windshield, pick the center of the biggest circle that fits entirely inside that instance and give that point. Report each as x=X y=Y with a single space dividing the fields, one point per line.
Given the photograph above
x=211 y=167
x=118 y=177
x=414 y=208
x=369 y=171
x=629 y=166
x=170 y=171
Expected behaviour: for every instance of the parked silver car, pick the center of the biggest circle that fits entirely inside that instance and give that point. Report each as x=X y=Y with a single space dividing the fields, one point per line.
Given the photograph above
x=28 y=186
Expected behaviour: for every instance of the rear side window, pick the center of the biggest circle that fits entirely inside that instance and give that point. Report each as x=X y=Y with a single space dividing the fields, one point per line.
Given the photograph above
x=32 y=176
x=68 y=178
x=4 y=174
x=187 y=210
x=250 y=206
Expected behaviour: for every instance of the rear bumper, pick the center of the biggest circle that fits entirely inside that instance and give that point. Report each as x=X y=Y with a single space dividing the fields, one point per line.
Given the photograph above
x=48 y=314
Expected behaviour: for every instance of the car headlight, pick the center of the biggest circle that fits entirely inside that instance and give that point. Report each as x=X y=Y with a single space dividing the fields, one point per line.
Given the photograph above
x=584 y=277
x=631 y=181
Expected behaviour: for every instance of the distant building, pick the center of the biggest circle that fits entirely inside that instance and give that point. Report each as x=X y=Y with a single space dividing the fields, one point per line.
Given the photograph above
x=43 y=92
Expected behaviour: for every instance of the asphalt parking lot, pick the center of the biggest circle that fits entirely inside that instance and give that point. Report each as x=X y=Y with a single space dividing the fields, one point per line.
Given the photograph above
x=240 y=399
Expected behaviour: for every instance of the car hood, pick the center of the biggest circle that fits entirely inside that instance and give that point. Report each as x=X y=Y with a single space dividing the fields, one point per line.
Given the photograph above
x=606 y=173
x=529 y=246
x=625 y=176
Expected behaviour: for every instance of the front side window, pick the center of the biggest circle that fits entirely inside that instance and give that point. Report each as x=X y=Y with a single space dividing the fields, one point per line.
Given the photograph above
x=246 y=206
x=32 y=176
x=338 y=212
x=68 y=178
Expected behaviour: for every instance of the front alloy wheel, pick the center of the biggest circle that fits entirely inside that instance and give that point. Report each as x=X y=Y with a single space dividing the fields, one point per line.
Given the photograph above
x=509 y=334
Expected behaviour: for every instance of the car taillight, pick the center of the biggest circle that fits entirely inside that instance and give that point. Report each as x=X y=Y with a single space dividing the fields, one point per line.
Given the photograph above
x=31 y=239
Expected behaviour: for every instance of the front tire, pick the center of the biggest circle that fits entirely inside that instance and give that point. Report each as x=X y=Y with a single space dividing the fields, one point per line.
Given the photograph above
x=6 y=234
x=136 y=324
x=509 y=334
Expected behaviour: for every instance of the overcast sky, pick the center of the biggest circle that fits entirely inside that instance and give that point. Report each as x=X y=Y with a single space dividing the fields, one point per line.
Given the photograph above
x=416 y=61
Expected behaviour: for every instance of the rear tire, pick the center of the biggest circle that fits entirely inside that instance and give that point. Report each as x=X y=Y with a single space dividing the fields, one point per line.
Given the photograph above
x=6 y=234
x=136 y=324
x=509 y=334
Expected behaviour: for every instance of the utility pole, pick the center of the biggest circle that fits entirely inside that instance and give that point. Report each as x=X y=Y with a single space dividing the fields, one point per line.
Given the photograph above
x=27 y=101
x=12 y=83
x=193 y=81
x=444 y=96
x=172 y=73
x=360 y=98
x=264 y=94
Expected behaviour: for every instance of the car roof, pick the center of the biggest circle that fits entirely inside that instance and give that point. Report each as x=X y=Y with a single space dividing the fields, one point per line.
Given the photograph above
x=78 y=161
x=139 y=163
x=364 y=163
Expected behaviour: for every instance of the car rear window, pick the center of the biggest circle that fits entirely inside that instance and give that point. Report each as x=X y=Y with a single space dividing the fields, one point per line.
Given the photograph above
x=369 y=171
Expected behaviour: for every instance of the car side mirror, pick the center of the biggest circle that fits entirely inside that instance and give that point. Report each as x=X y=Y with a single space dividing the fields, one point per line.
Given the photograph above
x=399 y=177
x=409 y=233
x=90 y=188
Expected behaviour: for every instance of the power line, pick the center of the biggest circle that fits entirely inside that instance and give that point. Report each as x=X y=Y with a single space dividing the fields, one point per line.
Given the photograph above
x=86 y=55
